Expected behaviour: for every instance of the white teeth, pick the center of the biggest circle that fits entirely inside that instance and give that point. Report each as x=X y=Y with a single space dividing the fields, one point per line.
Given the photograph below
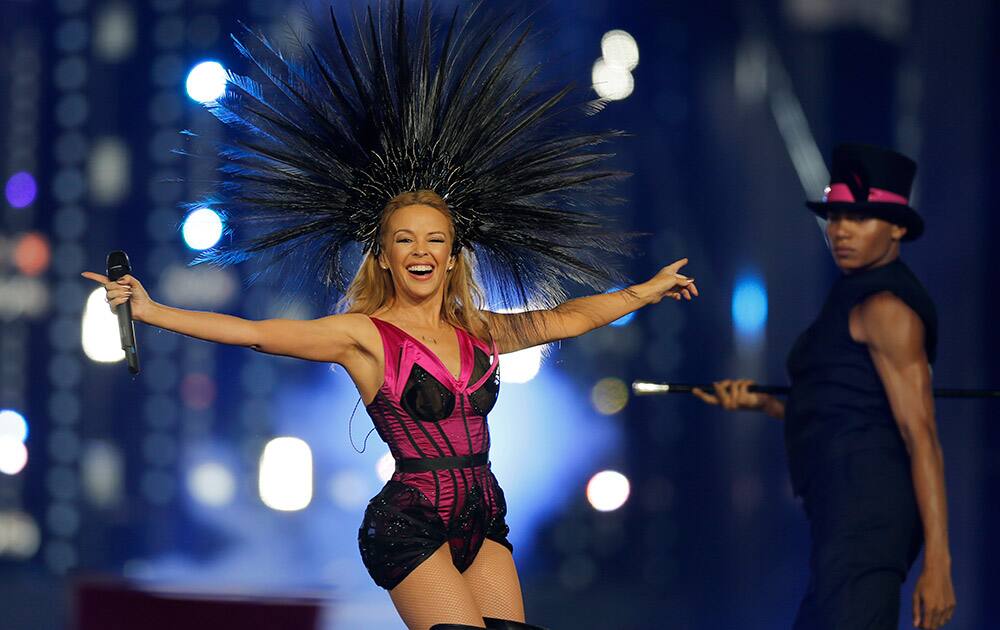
x=420 y=268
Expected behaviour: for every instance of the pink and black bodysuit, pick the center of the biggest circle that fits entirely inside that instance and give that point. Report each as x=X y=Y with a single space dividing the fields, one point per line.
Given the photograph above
x=435 y=425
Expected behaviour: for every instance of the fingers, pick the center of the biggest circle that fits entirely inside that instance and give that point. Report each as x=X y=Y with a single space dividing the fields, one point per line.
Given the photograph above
x=677 y=264
x=916 y=610
x=118 y=292
x=723 y=389
x=96 y=277
x=704 y=396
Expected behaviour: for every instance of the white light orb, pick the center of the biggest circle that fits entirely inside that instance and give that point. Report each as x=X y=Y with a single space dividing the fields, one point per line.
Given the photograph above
x=13 y=455
x=286 y=474
x=108 y=171
x=610 y=81
x=385 y=467
x=619 y=49
x=207 y=82
x=608 y=490
x=212 y=484
x=99 y=330
x=202 y=229
x=521 y=366
x=13 y=424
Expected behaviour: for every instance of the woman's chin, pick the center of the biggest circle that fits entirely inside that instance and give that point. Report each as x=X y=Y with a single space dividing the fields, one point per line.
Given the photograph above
x=418 y=291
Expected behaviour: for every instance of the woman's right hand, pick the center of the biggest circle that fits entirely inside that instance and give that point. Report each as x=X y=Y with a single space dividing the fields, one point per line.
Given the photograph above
x=733 y=395
x=127 y=289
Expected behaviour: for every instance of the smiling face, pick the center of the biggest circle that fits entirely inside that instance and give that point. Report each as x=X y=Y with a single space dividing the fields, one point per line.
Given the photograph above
x=858 y=241
x=417 y=250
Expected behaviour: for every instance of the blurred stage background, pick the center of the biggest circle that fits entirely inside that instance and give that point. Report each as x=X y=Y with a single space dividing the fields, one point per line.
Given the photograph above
x=161 y=480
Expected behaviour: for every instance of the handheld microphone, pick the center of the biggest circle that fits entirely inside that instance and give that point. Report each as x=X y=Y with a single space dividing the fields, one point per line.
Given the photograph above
x=117 y=268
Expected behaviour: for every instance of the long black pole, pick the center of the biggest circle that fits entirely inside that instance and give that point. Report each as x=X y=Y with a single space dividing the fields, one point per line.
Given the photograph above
x=649 y=388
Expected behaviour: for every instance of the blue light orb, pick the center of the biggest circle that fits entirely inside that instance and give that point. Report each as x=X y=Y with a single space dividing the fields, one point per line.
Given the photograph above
x=749 y=306
x=624 y=319
x=21 y=189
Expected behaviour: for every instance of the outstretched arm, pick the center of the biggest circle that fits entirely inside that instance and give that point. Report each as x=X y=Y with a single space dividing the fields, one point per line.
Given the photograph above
x=515 y=331
x=329 y=339
x=894 y=334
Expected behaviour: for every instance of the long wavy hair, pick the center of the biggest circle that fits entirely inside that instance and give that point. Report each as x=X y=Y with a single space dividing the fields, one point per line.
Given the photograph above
x=371 y=290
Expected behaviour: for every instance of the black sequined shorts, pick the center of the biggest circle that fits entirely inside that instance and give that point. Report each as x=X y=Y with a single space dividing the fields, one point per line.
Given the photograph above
x=402 y=528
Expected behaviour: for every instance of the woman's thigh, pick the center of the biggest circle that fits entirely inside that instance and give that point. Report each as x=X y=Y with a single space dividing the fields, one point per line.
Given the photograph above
x=435 y=592
x=493 y=580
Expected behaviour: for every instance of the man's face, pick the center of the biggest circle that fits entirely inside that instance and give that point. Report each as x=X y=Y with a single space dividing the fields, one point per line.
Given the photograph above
x=859 y=241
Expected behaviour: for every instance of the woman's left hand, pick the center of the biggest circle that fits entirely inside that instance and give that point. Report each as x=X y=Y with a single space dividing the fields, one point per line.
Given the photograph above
x=668 y=283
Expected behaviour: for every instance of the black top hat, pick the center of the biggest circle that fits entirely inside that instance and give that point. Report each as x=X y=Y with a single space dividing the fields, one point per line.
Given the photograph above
x=874 y=181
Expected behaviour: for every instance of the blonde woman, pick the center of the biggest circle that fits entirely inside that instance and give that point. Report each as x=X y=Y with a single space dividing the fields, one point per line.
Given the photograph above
x=435 y=154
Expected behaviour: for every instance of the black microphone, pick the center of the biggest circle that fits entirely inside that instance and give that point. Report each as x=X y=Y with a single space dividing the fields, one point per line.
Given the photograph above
x=118 y=267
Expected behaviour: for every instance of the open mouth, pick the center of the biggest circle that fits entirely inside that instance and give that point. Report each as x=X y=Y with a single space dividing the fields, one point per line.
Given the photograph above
x=420 y=271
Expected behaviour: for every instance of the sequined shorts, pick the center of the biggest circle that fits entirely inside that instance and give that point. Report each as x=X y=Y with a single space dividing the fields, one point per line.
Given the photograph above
x=402 y=528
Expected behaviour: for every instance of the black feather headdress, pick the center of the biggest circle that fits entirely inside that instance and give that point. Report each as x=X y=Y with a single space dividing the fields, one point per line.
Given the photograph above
x=323 y=141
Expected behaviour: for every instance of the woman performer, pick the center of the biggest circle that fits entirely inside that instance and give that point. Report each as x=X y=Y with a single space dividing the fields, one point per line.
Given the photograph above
x=438 y=178
x=860 y=432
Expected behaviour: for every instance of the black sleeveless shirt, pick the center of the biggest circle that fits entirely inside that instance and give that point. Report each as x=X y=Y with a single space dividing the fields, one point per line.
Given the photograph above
x=837 y=404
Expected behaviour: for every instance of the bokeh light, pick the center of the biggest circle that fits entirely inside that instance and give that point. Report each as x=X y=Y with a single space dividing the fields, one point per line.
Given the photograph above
x=109 y=171
x=384 y=467
x=21 y=189
x=350 y=490
x=13 y=425
x=207 y=82
x=610 y=81
x=521 y=366
x=609 y=395
x=197 y=391
x=19 y=535
x=286 y=474
x=114 y=31
x=32 y=254
x=608 y=490
x=99 y=330
x=749 y=308
x=620 y=49
x=13 y=455
x=212 y=484
x=202 y=229
x=624 y=319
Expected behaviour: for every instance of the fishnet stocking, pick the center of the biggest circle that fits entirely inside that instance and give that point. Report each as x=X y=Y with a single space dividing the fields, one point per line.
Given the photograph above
x=435 y=592
x=493 y=580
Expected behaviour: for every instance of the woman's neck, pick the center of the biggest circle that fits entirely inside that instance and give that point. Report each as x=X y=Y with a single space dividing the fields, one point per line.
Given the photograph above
x=423 y=313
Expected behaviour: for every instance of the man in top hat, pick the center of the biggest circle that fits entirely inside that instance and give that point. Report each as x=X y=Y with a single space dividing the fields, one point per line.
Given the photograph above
x=860 y=433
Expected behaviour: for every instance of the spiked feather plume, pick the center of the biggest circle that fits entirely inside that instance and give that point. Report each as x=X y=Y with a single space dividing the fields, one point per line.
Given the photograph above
x=324 y=141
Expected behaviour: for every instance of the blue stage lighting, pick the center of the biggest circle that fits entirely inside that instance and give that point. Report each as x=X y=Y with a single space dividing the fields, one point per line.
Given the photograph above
x=207 y=81
x=624 y=319
x=202 y=229
x=750 y=306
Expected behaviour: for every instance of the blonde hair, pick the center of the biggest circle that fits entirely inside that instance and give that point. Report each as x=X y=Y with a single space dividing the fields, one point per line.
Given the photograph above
x=372 y=290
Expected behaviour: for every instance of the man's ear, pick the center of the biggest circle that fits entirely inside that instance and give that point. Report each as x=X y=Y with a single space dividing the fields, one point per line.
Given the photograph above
x=898 y=232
